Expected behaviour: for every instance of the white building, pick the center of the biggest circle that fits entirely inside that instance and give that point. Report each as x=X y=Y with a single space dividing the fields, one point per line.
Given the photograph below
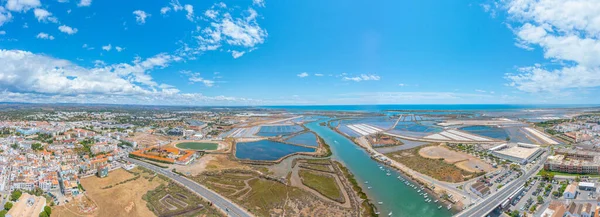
x=570 y=191
x=521 y=153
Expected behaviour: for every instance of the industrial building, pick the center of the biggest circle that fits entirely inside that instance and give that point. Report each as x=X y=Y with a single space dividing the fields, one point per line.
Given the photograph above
x=517 y=152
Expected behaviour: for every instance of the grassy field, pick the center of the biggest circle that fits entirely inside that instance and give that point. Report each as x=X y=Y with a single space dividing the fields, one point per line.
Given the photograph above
x=437 y=169
x=121 y=200
x=566 y=174
x=264 y=197
x=317 y=167
x=323 y=183
x=174 y=200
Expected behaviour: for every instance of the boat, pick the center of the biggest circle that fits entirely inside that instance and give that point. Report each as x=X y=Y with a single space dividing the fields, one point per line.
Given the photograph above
x=390 y=214
x=366 y=182
x=380 y=202
x=377 y=213
x=439 y=207
x=449 y=206
x=387 y=174
x=369 y=187
x=435 y=201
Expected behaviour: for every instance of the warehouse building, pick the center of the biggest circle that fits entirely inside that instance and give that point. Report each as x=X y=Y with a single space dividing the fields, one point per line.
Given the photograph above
x=521 y=153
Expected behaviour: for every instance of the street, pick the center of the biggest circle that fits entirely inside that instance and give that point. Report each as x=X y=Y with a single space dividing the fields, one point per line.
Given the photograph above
x=220 y=202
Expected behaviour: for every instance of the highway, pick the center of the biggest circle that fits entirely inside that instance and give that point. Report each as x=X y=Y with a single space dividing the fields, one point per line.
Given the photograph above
x=485 y=206
x=220 y=202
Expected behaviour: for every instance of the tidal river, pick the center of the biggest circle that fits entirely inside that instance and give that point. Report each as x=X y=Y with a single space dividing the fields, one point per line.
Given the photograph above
x=397 y=198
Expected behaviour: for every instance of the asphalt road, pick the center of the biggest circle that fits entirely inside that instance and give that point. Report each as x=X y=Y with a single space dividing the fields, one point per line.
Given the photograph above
x=220 y=202
x=492 y=201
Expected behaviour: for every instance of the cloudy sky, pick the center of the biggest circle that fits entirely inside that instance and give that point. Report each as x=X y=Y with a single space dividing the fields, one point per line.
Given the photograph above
x=260 y=52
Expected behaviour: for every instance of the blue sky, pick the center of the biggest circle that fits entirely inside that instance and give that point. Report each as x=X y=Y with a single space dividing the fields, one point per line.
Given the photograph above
x=300 y=52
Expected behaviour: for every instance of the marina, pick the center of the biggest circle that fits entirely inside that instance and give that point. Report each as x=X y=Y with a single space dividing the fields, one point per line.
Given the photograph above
x=399 y=196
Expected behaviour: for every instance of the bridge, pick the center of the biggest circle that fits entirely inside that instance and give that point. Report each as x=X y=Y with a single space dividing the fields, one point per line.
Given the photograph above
x=491 y=202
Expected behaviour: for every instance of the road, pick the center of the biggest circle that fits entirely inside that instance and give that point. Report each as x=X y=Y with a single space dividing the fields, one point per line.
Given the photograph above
x=220 y=202
x=492 y=201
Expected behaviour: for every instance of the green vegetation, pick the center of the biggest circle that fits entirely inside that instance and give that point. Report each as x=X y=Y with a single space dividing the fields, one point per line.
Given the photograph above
x=48 y=210
x=8 y=205
x=551 y=174
x=325 y=184
x=325 y=146
x=14 y=196
x=3 y=213
x=318 y=167
x=36 y=146
x=499 y=186
x=367 y=208
x=550 y=123
x=175 y=200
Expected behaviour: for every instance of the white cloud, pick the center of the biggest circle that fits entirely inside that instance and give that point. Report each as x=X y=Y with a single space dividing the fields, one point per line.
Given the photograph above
x=302 y=75
x=87 y=47
x=26 y=72
x=67 y=29
x=165 y=10
x=43 y=35
x=243 y=31
x=22 y=5
x=401 y=85
x=84 y=3
x=107 y=47
x=480 y=91
x=211 y=14
x=318 y=74
x=568 y=31
x=2 y=32
x=140 y=16
x=190 y=12
x=194 y=77
x=5 y=16
x=236 y=54
x=260 y=3
x=119 y=49
x=44 y=15
x=362 y=77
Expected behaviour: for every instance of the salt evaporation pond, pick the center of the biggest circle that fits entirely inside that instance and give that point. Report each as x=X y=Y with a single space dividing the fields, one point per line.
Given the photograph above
x=271 y=131
x=489 y=131
x=308 y=139
x=266 y=150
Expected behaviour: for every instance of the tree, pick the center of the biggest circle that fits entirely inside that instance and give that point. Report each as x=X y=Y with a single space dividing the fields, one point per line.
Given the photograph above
x=540 y=199
x=3 y=213
x=48 y=210
x=14 y=146
x=14 y=196
x=36 y=146
x=514 y=213
x=44 y=214
x=577 y=179
x=8 y=205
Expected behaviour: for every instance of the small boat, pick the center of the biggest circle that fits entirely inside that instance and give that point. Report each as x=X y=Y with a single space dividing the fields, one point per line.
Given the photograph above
x=366 y=182
x=439 y=207
x=390 y=214
x=449 y=206
x=335 y=141
x=435 y=201
x=380 y=202
x=377 y=213
x=369 y=187
x=415 y=187
x=387 y=174
x=419 y=191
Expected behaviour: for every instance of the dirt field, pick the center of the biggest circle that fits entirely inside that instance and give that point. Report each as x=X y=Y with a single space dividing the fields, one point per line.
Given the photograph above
x=146 y=139
x=461 y=160
x=121 y=200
